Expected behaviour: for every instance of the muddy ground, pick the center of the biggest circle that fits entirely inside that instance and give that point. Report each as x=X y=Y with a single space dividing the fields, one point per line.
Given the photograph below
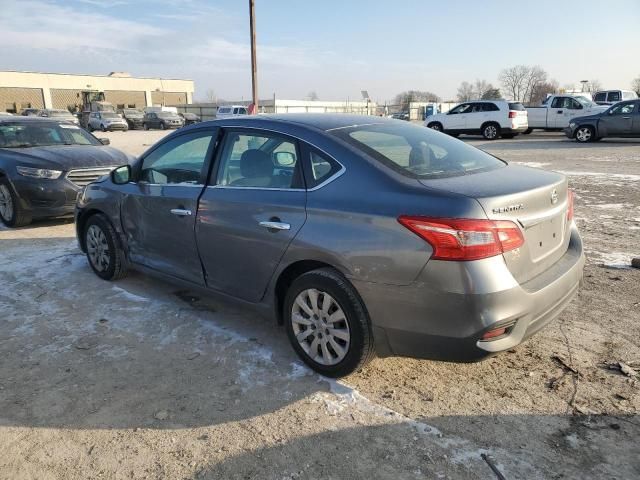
x=138 y=379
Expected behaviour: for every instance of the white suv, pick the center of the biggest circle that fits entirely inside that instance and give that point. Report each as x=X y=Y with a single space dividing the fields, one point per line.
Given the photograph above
x=489 y=118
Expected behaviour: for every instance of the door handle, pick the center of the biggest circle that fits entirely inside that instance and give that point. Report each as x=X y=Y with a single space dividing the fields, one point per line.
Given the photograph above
x=275 y=225
x=559 y=111
x=181 y=212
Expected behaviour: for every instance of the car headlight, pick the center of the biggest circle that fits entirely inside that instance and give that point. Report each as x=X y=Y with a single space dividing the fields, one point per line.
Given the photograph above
x=39 y=173
x=572 y=124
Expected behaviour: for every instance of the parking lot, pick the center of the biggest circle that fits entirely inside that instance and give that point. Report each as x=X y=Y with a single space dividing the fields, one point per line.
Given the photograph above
x=140 y=379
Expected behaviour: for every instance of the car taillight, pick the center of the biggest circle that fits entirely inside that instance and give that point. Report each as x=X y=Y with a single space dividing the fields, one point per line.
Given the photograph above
x=465 y=239
x=570 y=206
x=513 y=114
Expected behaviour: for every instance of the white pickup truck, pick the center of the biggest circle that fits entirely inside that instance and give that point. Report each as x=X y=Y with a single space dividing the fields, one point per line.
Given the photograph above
x=557 y=111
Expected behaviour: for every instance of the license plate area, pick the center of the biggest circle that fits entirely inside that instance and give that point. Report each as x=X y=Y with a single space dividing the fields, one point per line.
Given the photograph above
x=545 y=237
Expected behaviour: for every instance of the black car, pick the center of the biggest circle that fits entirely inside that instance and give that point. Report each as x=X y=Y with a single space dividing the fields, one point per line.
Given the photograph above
x=44 y=163
x=620 y=120
x=189 y=118
x=162 y=120
x=133 y=116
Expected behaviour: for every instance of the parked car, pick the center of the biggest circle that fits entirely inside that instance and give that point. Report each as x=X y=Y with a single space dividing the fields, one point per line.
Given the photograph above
x=44 y=163
x=189 y=118
x=558 y=110
x=609 y=97
x=107 y=121
x=457 y=256
x=490 y=118
x=401 y=116
x=228 y=111
x=161 y=120
x=619 y=120
x=6 y=114
x=28 y=112
x=133 y=117
x=58 y=114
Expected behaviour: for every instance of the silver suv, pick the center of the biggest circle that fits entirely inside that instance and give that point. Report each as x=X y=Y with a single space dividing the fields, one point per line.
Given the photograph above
x=107 y=121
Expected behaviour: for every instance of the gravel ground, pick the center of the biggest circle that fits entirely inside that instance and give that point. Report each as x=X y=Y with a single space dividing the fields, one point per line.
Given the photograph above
x=139 y=379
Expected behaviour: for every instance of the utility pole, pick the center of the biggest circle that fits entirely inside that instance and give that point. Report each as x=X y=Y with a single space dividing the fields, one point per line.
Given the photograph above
x=254 y=63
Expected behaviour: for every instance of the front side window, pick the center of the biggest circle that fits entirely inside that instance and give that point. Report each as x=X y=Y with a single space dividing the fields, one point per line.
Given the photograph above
x=464 y=108
x=416 y=151
x=178 y=161
x=259 y=161
x=623 y=109
x=600 y=97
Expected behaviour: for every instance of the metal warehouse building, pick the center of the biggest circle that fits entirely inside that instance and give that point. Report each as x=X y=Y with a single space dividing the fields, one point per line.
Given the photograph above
x=19 y=90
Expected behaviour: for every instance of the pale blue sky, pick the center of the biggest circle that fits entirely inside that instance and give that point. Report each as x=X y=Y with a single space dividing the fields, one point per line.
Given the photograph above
x=335 y=48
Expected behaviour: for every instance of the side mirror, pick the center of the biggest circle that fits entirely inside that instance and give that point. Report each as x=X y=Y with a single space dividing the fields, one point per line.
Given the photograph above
x=104 y=141
x=284 y=159
x=121 y=175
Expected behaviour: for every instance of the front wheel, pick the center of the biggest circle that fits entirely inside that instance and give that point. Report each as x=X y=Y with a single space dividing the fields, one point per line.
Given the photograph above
x=162 y=126
x=105 y=255
x=103 y=128
x=490 y=131
x=11 y=213
x=585 y=134
x=327 y=323
x=435 y=126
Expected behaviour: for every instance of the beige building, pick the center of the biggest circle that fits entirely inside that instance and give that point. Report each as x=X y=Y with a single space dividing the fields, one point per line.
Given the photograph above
x=19 y=90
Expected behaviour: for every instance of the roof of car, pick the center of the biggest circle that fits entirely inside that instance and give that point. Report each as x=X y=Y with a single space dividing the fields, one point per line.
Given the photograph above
x=321 y=121
x=27 y=119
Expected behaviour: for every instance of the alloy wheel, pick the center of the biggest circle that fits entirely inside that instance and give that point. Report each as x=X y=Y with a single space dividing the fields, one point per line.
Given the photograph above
x=490 y=132
x=320 y=326
x=6 y=204
x=98 y=248
x=584 y=134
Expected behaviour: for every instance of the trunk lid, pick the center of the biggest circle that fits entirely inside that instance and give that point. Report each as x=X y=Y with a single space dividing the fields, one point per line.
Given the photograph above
x=536 y=200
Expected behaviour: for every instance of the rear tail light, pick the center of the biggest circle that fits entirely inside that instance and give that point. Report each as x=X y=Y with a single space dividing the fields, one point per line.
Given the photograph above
x=513 y=114
x=465 y=239
x=570 y=206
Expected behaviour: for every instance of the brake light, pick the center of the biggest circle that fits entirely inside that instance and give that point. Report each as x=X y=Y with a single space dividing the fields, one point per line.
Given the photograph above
x=465 y=239
x=570 y=206
x=513 y=114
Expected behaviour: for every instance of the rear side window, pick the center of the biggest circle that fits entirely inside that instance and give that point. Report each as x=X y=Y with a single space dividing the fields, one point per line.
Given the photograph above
x=516 y=106
x=490 y=107
x=600 y=97
x=416 y=151
x=614 y=97
x=320 y=168
x=224 y=110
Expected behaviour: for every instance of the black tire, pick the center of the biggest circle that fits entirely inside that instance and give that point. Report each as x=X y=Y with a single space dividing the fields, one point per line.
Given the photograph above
x=103 y=128
x=145 y=126
x=528 y=131
x=19 y=217
x=437 y=126
x=508 y=135
x=117 y=265
x=162 y=126
x=360 y=350
x=585 y=134
x=490 y=131
x=90 y=128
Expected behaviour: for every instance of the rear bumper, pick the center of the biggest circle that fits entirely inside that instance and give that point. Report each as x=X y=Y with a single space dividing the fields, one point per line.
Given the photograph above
x=445 y=313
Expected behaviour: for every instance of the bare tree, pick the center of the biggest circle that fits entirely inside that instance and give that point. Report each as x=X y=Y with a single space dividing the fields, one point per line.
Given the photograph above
x=312 y=95
x=465 y=92
x=541 y=91
x=210 y=96
x=485 y=91
x=514 y=81
x=594 y=86
x=405 y=98
x=635 y=85
x=536 y=76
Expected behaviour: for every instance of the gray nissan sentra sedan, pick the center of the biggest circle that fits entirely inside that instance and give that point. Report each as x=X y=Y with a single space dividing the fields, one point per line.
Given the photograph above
x=361 y=234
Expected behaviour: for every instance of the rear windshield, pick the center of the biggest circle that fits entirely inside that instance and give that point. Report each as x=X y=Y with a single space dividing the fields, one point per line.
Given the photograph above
x=109 y=115
x=516 y=106
x=416 y=151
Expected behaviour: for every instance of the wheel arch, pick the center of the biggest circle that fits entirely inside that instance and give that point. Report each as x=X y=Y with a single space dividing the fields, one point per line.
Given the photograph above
x=286 y=278
x=81 y=222
x=435 y=122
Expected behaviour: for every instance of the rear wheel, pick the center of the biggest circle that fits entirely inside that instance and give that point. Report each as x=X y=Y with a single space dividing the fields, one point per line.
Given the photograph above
x=11 y=213
x=105 y=255
x=585 y=134
x=435 y=126
x=145 y=126
x=327 y=323
x=491 y=131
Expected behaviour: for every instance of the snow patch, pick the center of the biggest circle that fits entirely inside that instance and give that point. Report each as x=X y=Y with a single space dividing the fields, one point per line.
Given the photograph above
x=532 y=164
x=128 y=295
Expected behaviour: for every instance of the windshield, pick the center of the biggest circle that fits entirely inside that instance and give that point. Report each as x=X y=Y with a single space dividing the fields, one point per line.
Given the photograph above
x=109 y=115
x=416 y=151
x=24 y=135
x=166 y=114
x=132 y=112
x=585 y=103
